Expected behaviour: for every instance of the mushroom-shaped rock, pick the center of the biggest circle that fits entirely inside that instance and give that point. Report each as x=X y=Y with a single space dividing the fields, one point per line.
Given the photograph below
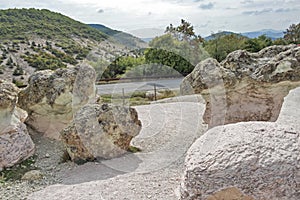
x=52 y=97
x=15 y=142
x=245 y=86
x=100 y=131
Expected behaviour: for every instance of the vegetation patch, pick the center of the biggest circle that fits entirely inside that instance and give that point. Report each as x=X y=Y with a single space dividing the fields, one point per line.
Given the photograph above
x=16 y=172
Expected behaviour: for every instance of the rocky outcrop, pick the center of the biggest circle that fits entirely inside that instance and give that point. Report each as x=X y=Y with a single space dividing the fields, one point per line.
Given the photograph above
x=15 y=142
x=259 y=159
x=245 y=86
x=52 y=97
x=100 y=131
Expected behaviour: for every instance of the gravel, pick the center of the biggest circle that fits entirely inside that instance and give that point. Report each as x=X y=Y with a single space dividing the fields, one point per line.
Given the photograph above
x=154 y=173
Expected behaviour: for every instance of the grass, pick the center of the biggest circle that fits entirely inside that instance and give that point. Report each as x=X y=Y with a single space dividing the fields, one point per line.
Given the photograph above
x=133 y=149
x=137 y=98
x=16 y=172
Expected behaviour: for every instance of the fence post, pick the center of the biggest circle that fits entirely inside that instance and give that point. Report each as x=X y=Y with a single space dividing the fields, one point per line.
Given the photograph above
x=123 y=96
x=154 y=92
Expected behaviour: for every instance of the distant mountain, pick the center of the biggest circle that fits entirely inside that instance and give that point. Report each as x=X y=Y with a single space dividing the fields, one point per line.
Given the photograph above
x=126 y=39
x=147 y=39
x=273 y=34
x=212 y=36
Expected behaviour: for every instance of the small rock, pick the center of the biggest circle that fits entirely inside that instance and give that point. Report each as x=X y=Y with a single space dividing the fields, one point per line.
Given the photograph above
x=32 y=175
x=47 y=155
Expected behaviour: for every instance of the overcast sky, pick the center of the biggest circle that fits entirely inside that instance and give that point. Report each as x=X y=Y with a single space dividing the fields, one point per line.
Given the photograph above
x=145 y=18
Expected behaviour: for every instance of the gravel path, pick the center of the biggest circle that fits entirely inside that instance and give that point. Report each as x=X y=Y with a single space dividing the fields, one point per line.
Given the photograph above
x=168 y=130
x=154 y=173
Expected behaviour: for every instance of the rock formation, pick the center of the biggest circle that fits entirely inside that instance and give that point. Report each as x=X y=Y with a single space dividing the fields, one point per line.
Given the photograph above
x=100 y=131
x=245 y=86
x=15 y=142
x=260 y=160
x=52 y=97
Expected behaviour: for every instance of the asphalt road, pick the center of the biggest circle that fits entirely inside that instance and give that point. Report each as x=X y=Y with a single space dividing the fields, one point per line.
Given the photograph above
x=116 y=88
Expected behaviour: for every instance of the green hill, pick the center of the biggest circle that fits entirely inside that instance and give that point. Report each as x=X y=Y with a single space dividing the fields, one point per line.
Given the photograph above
x=24 y=23
x=126 y=39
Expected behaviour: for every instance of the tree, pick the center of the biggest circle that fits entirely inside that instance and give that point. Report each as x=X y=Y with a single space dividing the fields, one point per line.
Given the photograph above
x=185 y=31
x=179 y=48
x=292 y=34
x=223 y=44
x=257 y=44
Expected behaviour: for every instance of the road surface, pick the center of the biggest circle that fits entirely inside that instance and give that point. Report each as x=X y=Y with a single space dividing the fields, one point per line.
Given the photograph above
x=116 y=88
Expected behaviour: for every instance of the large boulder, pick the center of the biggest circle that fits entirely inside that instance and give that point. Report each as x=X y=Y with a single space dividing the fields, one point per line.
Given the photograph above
x=100 y=131
x=52 y=97
x=258 y=160
x=15 y=142
x=245 y=86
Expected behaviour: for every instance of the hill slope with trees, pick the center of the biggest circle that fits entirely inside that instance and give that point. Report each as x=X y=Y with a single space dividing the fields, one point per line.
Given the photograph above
x=33 y=39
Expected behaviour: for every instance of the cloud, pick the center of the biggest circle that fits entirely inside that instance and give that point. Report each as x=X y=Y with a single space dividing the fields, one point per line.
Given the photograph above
x=208 y=6
x=100 y=11
x=197 y=1
x=258 y=12
x=283 y=10
x=247 y=2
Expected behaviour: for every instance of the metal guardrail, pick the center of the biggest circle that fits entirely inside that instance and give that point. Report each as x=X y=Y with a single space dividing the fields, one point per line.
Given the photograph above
x=125 y=79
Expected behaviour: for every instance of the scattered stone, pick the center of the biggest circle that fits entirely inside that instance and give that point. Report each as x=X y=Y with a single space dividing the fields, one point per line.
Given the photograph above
x=52 y=97
x=32 y=175
x=100 y=131
x=245 y=86
x=15 y=142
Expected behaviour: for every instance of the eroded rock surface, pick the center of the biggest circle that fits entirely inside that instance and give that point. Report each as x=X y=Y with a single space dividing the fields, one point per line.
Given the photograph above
x=260 y=159
x=100 y=131
x=245 y=86
x=15 y=142
x=52 y=97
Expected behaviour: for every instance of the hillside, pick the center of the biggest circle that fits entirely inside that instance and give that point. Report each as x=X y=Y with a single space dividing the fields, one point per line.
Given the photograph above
x=126 y=39
x=33 y=39
x=219 y=34
x=24 y=23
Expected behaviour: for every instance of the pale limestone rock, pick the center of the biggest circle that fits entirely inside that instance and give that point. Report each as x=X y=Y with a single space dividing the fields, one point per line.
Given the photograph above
x=15 y=142
x=245 y=86
x=261 y=159
x=52 y=97
x=100 y=131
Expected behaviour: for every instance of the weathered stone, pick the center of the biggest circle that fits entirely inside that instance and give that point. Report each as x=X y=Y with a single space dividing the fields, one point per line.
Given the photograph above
x=231 y=193
x=100 y=131
x=15 y=142
x=52 y=97
x=261 y=159
x=32 y=175
x=245 y=86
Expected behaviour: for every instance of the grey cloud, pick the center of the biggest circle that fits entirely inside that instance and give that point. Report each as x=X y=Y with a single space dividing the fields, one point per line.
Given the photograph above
x=197 y=0
x=281 y=10
x=100 y=11
x=208 y=6
x=258 y=12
